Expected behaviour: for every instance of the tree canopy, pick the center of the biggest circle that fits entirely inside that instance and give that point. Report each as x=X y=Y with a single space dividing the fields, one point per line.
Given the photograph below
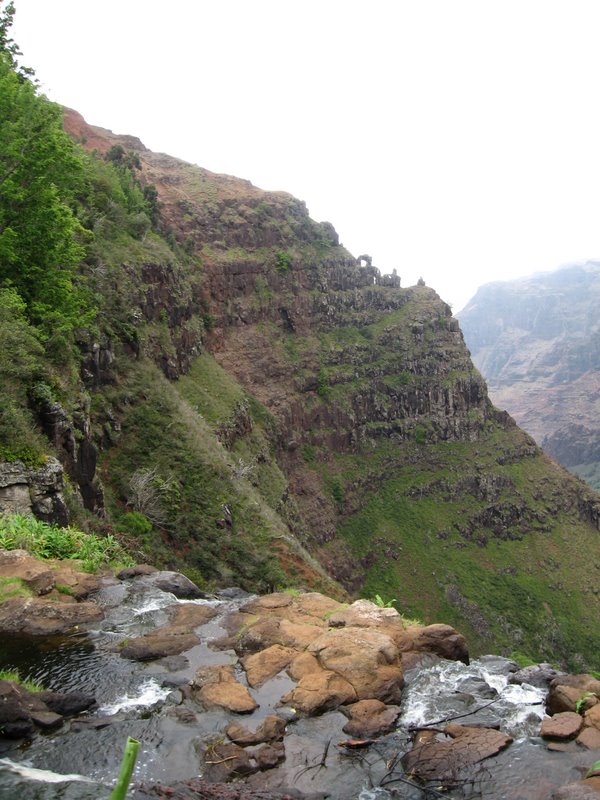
x=40 y=171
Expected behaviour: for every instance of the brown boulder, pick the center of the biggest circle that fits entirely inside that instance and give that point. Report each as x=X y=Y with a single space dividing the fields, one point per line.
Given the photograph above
x=369 y=719
x=40 y=617
x=442 y=640
x=217 y=687
x=592 y=717
x=19 y=564
x=590 y=738
x=564 y=725
x=566 y=690
x=302 y=665
x=367 y=659
x=320 y=691
x=444 y=759
x=267 y=663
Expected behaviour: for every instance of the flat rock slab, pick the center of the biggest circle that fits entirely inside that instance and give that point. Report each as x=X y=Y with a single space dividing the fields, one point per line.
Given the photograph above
x=565 y=725
x=444 y=759
x=35 y=616
x=217 y=687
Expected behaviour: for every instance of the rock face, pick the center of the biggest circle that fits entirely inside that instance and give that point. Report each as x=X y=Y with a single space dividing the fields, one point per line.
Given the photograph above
x=26 y=490
x=535 y=341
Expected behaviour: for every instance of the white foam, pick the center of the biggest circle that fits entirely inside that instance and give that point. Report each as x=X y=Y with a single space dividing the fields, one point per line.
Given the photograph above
x=148 y=694
x=42 y=775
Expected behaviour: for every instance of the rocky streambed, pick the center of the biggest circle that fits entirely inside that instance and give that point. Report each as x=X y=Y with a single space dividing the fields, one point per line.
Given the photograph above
x=284 y=695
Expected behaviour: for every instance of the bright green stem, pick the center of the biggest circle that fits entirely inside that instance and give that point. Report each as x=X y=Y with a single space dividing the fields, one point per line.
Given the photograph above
x=127 y=765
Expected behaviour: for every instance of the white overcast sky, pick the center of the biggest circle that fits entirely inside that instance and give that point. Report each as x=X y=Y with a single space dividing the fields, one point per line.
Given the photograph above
x=454 y=139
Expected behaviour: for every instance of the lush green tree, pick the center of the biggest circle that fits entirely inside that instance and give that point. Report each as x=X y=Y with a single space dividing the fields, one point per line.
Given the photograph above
x=40 y=171
x=7 y=45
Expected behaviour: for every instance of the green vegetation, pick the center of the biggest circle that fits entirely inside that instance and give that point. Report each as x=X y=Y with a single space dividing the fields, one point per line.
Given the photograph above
x=283 y=262
x=20 y=531
x=13 y=587
x=15 y=677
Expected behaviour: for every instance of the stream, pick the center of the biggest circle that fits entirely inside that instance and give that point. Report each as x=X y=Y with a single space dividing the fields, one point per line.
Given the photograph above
x=143 y=700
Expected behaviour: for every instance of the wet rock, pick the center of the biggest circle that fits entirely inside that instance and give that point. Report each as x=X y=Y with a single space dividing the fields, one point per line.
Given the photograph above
x=217 y=687
x=173 y=638
x=46 y=720
x=134 y=572
x=182 y=714
x=92 y=723
x=566 y=690
x=478 y=687
x=443 y=760
x=225 y=761
x=269 y=756
x=267 y=663
x=176 y=583
x=200 y=789
x=538 y=675
x=34 y=574
x=369 y=719
x=270 y=729
x=175 y=663
x=367 y=659
x=35 y=616
x=564 y=725
x=67 y=704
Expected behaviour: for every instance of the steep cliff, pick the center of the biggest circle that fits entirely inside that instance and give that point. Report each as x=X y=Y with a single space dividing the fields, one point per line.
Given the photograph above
x=537 y=342
x=254 y=406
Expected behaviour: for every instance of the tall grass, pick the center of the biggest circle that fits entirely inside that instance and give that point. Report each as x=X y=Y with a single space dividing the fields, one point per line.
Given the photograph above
x=22 y=531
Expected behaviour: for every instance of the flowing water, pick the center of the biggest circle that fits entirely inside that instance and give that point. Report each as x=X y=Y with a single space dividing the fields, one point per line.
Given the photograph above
x=81 y=760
